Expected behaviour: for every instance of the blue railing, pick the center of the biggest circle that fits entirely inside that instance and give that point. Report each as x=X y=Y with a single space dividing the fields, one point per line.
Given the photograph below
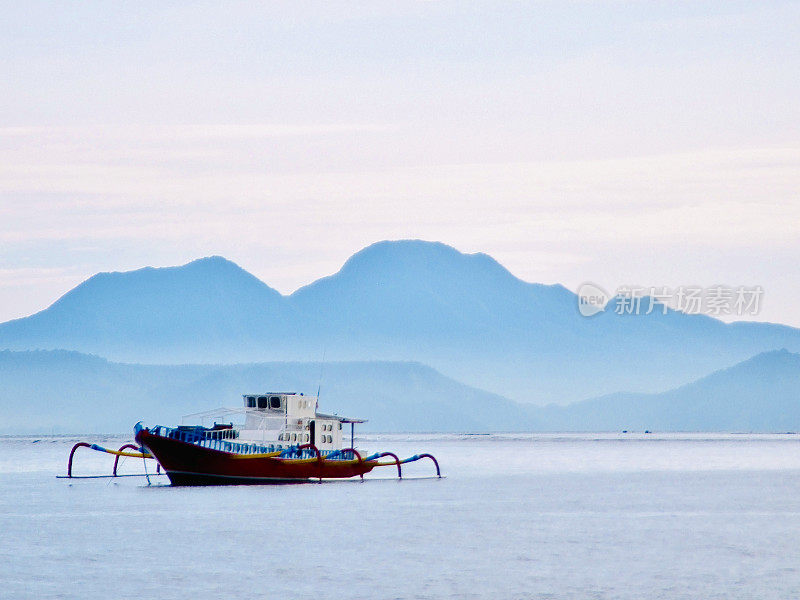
x=199 y=437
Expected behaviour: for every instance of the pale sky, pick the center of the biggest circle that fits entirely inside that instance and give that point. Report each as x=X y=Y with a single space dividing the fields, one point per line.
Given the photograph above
x=646 y=143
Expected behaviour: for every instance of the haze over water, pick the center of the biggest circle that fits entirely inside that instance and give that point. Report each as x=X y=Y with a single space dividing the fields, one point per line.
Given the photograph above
x=517 y=516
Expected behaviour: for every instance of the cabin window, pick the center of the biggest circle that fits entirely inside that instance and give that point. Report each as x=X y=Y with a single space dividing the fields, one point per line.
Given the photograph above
x=294 y=437
x=275 y=402
x=340 y=425
x=262 y=402
x=251 y=402
x=306 y=437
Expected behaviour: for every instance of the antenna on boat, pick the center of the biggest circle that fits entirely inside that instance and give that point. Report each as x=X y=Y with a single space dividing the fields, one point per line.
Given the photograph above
x=321 y=369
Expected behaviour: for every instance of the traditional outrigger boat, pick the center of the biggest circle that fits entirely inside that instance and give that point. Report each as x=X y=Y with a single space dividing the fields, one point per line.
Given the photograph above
x=283 y=440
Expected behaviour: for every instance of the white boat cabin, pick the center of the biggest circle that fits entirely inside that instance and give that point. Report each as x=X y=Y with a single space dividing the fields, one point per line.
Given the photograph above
x=288 y=419
x=278 y=420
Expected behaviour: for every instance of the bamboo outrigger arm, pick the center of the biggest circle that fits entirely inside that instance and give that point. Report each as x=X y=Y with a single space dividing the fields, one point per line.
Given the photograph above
x=117 y=453
x=410 y=459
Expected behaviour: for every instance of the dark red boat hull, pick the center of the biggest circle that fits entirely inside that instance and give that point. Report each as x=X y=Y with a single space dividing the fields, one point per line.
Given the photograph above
x=189 y=464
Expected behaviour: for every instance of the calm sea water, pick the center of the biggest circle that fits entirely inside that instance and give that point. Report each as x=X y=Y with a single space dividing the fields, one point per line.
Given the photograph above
x=517 y=516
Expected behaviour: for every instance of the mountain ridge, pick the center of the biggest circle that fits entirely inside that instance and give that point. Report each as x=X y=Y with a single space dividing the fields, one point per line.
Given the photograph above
x=463 y=314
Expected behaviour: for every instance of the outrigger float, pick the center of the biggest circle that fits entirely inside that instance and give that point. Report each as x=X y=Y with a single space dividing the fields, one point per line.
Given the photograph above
x=283 y=440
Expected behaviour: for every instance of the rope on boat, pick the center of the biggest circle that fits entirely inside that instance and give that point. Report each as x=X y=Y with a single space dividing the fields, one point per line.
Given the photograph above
x=120 y=453
x=144 y=466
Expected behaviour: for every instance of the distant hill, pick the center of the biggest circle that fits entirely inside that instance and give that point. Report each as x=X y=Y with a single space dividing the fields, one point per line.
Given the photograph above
x=761 y=394
x=69 y=392
x=202 y=308
x=463 y=314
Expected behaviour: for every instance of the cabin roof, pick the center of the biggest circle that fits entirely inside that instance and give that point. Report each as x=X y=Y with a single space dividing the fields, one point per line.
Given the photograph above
x=341 y=419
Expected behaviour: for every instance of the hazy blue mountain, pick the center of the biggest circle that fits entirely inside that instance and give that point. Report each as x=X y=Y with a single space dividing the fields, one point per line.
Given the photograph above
x=162 y=312
x=428 y=292
x=463 y=314
x=761 y=394
x=63 y=392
